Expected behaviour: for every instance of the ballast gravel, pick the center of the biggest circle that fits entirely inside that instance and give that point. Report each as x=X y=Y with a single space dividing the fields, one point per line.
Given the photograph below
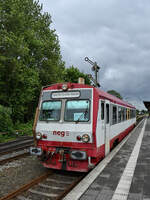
x=19 y=172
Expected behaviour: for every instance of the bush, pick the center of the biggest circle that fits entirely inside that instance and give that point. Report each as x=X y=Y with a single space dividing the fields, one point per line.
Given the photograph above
x=6 y=124
x=24 y=129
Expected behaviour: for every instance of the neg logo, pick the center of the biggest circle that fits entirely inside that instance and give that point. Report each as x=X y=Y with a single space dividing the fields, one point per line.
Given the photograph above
x=61 y=133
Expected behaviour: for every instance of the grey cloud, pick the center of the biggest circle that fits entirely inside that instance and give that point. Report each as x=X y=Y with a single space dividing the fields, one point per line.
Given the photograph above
x=114 y=33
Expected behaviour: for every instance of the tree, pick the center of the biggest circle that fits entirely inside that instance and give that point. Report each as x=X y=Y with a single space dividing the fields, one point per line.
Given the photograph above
x=29 y=55
x=6 y=124
x=72 y=74
x=115 y=93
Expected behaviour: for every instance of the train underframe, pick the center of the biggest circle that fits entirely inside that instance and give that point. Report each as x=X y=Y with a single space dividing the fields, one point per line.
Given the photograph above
x=69 y=159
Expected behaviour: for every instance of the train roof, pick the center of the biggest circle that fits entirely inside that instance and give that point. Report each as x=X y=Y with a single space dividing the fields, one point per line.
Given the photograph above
x=113 y=98
x=101 y=93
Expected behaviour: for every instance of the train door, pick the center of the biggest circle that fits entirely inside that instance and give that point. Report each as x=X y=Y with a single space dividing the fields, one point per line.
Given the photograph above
x=107 y=127
x=105 y=121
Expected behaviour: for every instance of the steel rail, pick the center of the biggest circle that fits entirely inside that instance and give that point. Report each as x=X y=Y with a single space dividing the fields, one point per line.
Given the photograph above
x=69 y=188
x=29 y=185
x=14 y=158
x=16 y=141
x=26 y=186
x=12 y=149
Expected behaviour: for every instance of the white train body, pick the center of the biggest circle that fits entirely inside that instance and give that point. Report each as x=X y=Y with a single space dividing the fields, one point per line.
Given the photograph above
x=78 y=125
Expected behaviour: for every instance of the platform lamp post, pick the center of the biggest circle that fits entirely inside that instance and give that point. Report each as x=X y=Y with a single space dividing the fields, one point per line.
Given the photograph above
x=95 y=68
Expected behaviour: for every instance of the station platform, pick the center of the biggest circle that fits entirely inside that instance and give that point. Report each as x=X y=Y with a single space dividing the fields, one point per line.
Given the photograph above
x=124 y=174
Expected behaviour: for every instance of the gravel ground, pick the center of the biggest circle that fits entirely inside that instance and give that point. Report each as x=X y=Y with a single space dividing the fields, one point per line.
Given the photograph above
x=19 y=172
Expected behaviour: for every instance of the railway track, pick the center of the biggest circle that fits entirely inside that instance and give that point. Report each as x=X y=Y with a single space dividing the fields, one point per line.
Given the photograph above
x=15 y=149
x=16 y=145
x=12 y=158
x=51 y=185
x=21 y=138
x=54 y=185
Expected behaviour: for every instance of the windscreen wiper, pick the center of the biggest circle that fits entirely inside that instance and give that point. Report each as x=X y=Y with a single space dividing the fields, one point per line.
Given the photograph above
x=84 y=113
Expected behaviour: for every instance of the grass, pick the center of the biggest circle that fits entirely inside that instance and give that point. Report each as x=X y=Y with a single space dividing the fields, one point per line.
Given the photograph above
x=7 y=137
x=20 y=130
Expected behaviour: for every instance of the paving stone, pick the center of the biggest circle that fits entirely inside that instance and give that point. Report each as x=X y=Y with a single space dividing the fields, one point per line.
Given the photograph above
x=92 y=193
x=87 y=197
x=106 y=183
x=105 y=195
x=146 y=198
x=135 y=196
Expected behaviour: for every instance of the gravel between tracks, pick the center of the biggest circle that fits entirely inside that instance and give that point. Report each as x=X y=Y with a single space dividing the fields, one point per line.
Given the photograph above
x=19 y=172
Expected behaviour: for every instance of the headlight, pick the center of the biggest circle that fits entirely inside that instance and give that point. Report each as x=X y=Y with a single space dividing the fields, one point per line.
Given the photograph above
x=38 y=136
x=64 y=87
x=85 y=138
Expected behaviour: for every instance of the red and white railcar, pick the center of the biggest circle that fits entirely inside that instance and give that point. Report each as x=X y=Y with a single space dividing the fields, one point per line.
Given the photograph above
x=78 y=124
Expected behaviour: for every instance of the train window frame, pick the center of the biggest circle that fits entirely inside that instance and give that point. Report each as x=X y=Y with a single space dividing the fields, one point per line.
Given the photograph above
x=129 y=114
x=114 y=121
x=69 y=121
x=48 y=120
x=107 y=113
x=123 y=114
x=134 y=113
x=102 y=110
x=119 y=114
x=126 y=113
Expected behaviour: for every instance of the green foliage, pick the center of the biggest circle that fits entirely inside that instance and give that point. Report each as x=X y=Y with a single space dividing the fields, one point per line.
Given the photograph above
x=7 y=137
x=6 y=124
x=115 y=93
x=137 y=112
x=29 y=56
x=24 y=129
x=143 y=112
x=72 y=74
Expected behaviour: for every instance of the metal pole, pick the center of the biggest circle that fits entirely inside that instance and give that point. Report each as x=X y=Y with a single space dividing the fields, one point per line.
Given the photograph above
x=95 y=68
x=96 y=71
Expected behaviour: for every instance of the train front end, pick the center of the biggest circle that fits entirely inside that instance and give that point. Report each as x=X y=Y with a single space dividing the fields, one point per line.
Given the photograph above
x=64 y=128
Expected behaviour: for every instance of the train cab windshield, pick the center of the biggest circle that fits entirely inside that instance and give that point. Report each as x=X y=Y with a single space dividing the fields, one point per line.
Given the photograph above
x=77 y=111
x=74 y=111
x=50 y=111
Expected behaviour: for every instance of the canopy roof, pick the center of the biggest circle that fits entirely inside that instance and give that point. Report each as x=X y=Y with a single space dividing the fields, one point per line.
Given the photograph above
x=147 y=105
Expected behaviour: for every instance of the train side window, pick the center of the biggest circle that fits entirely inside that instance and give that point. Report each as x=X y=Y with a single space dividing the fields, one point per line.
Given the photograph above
x=134 y=113
x=102 y=110
x=122 y=114
x=119 y=114
x=126 y=114
x=107 y=113
x=129 y=114
x=114 y=117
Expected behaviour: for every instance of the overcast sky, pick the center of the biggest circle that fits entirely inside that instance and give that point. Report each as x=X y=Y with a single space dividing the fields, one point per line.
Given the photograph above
x=114 y=33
